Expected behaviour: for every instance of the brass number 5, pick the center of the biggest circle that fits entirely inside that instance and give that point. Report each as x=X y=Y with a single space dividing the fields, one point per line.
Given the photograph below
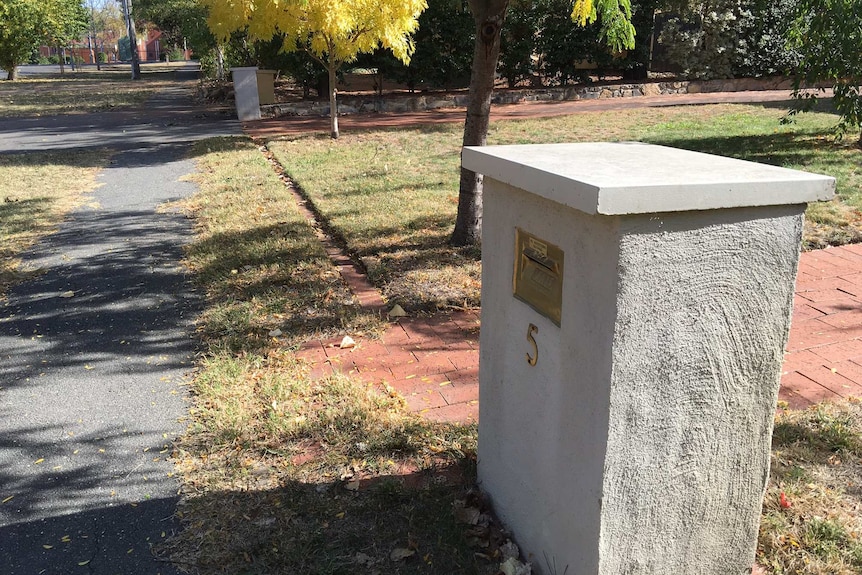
x=532 y=359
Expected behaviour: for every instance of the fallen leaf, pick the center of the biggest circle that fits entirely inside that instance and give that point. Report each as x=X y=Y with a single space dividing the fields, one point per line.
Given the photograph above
x=8 y=499
x=38 y=461
x=88 y=367
x=82 y=563
x=782 y=500
x=47 y=546
x=352 y=485
x=400 y=554
x=67 y=294
x=347 y=343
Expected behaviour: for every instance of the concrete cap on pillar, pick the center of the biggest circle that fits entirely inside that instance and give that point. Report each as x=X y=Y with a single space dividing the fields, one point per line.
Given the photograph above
x=635 y=178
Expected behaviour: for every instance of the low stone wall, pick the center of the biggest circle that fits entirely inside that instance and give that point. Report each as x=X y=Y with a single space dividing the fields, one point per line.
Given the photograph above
x=423 y=102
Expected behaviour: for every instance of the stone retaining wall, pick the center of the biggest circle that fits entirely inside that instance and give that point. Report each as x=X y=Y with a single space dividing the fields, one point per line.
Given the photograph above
x=423 y=102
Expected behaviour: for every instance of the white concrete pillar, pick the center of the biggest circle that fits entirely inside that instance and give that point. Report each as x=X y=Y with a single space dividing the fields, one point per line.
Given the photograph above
x=631 y=349
x=246 y=94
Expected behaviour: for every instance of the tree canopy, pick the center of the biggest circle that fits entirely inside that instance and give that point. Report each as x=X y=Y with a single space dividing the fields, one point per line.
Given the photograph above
x=334 y=32
x=22 y=27
x=828 y=36
x=616 y=30
x=24 y=24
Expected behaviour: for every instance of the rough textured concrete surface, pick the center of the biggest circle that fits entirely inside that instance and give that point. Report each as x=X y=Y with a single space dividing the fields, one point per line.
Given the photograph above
x=703 y=315
x=638 y=442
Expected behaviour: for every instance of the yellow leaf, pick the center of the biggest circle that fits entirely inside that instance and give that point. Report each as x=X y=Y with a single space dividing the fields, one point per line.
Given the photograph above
x=340 y=515
x=47 y=546
x=38 y=461
x=65 y=538
x=445 y=383
x=88 y=367
x=82 y=563
x=8 y=499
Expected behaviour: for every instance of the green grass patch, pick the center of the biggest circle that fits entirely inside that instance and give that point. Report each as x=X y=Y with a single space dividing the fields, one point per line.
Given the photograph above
x=284 y=473
x=259 y=260
x=817 y=466
x=36 y=191
x=74 y=93
x=392 y=194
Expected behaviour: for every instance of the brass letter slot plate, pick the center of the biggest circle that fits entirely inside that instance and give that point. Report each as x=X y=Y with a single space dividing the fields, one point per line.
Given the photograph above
x=538 y=280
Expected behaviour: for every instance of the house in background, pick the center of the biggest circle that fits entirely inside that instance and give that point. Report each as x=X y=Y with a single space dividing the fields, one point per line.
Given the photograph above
x=151 y=48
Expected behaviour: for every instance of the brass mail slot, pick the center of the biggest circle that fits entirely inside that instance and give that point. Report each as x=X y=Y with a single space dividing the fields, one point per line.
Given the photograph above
x=538 y=280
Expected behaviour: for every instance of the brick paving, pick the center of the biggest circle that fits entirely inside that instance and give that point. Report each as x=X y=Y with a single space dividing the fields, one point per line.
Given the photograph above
x=294 y=125
x=433 y=362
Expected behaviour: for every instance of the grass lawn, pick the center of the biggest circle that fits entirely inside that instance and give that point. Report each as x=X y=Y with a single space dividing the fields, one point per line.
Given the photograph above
x=77 y=93
x=392 y=194
x=36 y=191
x=284 y=473
x=817 y=466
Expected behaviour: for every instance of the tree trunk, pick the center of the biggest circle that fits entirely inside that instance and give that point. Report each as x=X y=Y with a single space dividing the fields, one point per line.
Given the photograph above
x=133 y=41
x=489 y=16
x=12 y=73
x=333 y=102
x=220 y=75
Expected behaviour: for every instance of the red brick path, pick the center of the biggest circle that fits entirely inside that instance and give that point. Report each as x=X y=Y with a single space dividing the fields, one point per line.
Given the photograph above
x=433 y=362
x=824 y=353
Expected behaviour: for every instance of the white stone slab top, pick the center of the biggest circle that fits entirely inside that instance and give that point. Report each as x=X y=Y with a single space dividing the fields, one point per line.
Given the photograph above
x=636 y=178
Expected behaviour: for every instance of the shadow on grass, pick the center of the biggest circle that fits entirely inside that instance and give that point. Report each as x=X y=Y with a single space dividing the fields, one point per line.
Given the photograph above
x=274 y=274
x=328 y=529
x=820 y=433
x=19 y=216
x=781 y=149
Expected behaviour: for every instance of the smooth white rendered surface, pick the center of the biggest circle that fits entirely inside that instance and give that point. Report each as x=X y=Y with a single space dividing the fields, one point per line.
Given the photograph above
x=636 y=178
x=246 y=94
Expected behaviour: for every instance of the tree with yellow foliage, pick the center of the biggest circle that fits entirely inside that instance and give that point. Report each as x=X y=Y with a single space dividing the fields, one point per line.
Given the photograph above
x=333 y=32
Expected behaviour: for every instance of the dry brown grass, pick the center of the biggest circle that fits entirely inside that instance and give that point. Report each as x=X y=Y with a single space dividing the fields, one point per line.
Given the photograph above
x=284 y=473
x=817 y=466
x=36 y=191
x=76 y=93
